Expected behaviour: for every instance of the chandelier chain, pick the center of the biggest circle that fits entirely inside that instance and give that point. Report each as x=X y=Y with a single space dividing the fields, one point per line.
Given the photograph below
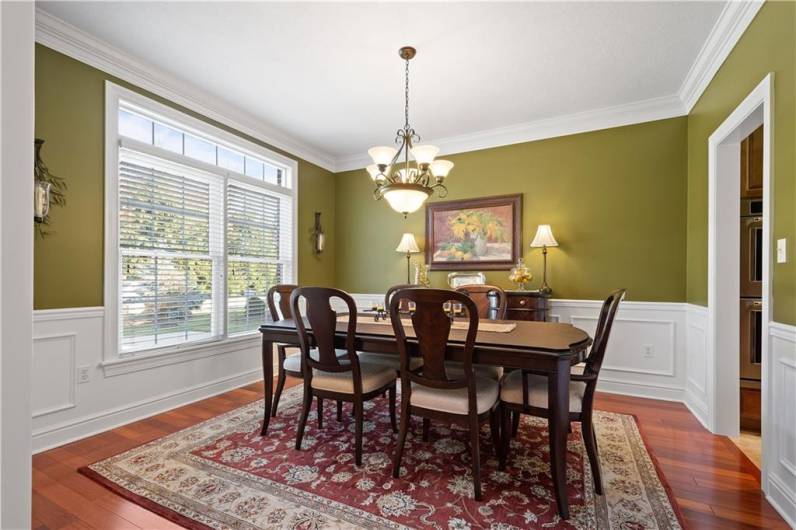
x=406 y=96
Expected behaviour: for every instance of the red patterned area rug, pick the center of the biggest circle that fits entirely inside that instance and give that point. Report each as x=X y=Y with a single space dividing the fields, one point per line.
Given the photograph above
x=223 y=474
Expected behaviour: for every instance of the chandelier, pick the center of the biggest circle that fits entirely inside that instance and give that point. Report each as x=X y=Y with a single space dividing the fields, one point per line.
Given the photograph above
x=403 y=183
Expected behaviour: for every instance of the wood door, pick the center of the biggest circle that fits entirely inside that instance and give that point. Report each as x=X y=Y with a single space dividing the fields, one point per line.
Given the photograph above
x=752 y=164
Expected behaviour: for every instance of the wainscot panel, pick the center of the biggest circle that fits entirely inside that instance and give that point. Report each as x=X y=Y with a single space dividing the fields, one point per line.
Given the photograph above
x=74 y=397
x=647 y=352
x=780 y=444
x=698 y=380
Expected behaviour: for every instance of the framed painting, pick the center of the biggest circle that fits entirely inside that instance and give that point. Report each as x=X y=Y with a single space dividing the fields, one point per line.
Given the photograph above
x=472 y=234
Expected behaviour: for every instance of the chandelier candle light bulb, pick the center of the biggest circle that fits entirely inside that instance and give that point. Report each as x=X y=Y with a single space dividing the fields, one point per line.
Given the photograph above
x=408 y=188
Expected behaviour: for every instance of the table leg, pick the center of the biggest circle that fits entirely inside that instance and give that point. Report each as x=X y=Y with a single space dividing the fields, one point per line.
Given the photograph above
x=558 y=401
x=268 y=382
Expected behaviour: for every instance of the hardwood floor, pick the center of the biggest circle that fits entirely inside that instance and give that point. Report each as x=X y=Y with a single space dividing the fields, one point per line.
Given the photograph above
x=715 y=485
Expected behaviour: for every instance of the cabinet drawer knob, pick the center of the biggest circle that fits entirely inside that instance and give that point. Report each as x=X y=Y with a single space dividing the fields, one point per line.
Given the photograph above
x=522 y=302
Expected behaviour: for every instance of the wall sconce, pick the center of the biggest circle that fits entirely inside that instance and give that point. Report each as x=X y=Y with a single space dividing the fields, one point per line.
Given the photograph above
x=318 y=237
x=47 y=189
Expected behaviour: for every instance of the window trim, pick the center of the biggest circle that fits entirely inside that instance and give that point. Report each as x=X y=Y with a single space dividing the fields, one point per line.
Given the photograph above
x=114 y=95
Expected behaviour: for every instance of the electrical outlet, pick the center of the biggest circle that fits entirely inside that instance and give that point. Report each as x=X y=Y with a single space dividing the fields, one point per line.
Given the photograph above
x=782 y=250
x=649 y=351
x=83 y=374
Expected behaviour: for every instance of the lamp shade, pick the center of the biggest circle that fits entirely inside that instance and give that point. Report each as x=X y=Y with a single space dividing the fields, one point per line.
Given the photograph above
x=544 y=237
x=408 y=244
x=405 y=198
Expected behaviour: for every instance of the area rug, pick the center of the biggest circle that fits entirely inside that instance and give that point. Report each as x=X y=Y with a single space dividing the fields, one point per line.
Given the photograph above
x=222 y=474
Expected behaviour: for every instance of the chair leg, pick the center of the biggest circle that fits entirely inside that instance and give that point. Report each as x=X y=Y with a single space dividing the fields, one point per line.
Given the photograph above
x=515 y=423
x=339 y=410
x=426 y=429
x=507 y=420
x=399 y=449
x=280 y=385
x=320 y=412
x=393 y=420
x=494 y=429
x=476 y=456
x=590 y=440
x=358 y=413
x=305 y=412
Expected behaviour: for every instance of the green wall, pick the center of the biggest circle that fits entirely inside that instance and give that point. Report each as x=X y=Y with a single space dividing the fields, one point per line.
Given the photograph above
x=70 y=118
x=767 y=46
x=616 y=200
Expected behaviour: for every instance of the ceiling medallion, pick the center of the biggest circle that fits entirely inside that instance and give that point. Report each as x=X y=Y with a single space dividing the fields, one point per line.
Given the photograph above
x=407 y=184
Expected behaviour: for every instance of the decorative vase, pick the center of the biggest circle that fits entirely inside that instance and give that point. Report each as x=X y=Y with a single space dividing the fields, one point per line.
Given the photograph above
x=479 y=246
x=520 y=274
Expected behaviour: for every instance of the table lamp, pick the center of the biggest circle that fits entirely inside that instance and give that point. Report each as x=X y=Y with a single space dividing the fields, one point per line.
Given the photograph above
x=544 y=238
x=408 y=245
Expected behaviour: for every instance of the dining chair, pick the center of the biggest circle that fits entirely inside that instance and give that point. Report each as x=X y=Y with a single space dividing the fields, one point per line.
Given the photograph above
x=279 y=306
x=387 y=358
x=394 y=289
x=429 y=391
x=278 y=299
x=479 y=294
x=336 y=374
x=525 y=392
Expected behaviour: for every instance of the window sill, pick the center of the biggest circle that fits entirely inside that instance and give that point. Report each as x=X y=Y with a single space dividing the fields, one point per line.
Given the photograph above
x=176 y=355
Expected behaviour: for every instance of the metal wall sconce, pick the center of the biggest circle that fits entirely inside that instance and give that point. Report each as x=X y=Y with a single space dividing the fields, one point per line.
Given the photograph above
x=318 y=236
x=47 y=189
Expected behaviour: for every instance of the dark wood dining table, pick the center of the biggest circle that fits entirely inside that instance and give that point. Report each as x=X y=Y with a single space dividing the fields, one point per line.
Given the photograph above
x=548 y=347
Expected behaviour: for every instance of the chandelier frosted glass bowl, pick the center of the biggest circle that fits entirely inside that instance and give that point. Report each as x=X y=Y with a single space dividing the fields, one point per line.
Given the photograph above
x=408 y=175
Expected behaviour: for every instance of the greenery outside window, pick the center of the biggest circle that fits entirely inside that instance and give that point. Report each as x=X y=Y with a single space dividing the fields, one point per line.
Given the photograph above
x=201 y=223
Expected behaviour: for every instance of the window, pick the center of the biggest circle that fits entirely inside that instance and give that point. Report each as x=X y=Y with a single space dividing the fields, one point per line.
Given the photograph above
x=200 y=225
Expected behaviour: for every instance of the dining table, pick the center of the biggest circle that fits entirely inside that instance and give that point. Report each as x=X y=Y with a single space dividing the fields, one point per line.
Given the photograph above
x=551 y=348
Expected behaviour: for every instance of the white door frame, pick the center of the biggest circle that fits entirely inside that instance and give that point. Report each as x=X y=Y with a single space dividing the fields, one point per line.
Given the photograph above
x=16 y=260
x=723 y=262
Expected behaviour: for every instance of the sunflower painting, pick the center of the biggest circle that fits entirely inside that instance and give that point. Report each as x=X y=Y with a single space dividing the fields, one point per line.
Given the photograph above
x=474 y=233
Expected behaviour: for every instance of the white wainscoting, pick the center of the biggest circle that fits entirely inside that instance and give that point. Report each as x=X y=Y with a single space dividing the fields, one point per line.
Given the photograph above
x=659 y=327
x=64 y=340
x=698 y=378
x=779 y=480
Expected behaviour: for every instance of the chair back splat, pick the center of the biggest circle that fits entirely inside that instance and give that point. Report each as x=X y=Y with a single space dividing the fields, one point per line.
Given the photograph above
x=432 y=325
x=322 y=320
x=281 y=311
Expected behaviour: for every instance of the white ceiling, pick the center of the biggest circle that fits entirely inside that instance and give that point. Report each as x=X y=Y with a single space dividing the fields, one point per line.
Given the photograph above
x=329 y=75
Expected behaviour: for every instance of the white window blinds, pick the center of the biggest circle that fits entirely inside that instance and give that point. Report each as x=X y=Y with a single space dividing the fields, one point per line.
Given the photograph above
x=259 y=250
x=200 y=225
x=171 y=252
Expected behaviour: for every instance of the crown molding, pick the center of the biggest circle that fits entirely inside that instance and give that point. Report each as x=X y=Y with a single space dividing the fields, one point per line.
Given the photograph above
x=69 y=40
x=730 y=26
x=605 y=118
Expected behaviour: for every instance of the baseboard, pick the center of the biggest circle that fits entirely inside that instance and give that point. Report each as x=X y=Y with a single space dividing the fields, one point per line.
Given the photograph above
x=83 y=427
x=697 y=408
x=779 y=498
x=642 y=390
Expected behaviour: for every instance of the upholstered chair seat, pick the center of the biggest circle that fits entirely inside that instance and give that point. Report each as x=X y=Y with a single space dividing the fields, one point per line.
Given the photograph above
x=455 y=370
x=374 y=376
x=454 y=401
x=511 y=390
x=292 y=363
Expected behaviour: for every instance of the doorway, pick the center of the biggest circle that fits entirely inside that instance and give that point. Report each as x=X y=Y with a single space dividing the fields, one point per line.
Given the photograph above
x=727 y=305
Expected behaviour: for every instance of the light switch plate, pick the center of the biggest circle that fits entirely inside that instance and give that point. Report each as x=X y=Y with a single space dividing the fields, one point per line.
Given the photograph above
x=782 y=250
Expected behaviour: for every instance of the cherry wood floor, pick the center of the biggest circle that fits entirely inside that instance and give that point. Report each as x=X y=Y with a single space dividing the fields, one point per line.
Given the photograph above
x=715 y=485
